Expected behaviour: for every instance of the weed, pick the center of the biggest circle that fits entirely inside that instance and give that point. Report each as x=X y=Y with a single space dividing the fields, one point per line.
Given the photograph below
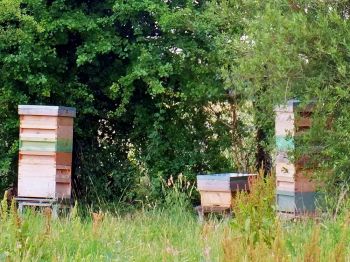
x=254 y=211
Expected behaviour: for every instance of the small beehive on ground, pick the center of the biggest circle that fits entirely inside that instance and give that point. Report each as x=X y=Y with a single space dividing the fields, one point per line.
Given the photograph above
x=45 y=151
x=295 y=190
x=216 y=190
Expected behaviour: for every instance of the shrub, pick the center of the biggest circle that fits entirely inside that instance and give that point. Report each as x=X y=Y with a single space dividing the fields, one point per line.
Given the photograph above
x=254 y=211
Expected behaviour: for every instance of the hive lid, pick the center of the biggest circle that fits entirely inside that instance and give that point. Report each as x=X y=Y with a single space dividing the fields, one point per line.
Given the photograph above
x=40 y=110
x=289 y=106
x=223 y=176
x=292 y=105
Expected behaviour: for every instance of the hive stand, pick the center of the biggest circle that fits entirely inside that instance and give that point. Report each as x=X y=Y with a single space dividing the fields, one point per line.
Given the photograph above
x=295 y=191
x=203 y=212
x=45 y=156
x=54 y=204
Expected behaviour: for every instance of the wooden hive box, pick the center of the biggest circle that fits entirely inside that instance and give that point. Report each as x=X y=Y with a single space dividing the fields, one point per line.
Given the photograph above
x=45 y=151
x=216 y=190
x=295 y=190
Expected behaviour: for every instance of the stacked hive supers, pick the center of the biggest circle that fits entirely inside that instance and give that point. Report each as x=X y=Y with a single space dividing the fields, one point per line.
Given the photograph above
x=295 y=191
x=45 y=151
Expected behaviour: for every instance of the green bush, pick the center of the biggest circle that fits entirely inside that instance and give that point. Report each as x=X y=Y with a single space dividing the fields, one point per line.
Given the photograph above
x=254 y=211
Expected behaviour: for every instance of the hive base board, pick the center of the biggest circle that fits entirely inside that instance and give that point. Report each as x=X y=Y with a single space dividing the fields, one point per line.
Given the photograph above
x=298 y=216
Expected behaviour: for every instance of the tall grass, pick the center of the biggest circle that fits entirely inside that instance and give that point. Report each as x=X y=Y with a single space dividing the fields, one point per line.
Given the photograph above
x=173 y=234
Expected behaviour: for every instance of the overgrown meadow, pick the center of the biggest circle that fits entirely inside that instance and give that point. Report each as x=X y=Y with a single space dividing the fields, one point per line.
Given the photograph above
x=172 y=232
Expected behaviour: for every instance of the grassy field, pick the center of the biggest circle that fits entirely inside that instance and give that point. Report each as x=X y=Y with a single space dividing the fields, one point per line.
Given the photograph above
x=174 y=234
x=167 y=235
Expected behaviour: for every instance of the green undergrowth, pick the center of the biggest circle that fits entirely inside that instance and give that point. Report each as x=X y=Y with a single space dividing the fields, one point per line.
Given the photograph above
x=172 y=232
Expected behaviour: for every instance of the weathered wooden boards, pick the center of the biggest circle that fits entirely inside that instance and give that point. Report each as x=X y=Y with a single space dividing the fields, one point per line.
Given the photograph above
x=295 y=191
x=45 y=151
x=216 y=190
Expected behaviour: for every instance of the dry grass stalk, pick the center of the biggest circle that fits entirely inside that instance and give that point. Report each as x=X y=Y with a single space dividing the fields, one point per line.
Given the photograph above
x=207 y=229
x=232 y=247
x=170 y=249
x=4 y=206
x=97 y=219
x=279 y=249
x=312 y=249
x=15 y=217
x=48 y=218
x=259 y=251
x=339 y=252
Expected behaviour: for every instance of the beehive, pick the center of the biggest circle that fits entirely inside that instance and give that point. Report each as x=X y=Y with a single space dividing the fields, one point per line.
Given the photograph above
x=295 y=190
x=45 y=151
x=216 y=190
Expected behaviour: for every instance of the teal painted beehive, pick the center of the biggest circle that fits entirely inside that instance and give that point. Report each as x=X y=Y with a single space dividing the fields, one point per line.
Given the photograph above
x=295 y=190
x=45 y=151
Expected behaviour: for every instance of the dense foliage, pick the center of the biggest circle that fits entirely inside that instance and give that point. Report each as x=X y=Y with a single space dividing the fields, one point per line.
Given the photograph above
x=173 y=87
x=140 y=74
x=304 y=49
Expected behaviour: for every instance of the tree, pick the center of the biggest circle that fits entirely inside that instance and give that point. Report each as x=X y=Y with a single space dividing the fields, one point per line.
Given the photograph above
x=140 y=74
x=298 y=49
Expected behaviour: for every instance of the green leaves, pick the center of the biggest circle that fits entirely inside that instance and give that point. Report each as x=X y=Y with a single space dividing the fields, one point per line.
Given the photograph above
x=186 y=86
x=300 y=52
x=138 y=72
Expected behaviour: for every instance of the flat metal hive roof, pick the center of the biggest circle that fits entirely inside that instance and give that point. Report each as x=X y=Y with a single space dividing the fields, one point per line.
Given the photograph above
x=42 y=110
